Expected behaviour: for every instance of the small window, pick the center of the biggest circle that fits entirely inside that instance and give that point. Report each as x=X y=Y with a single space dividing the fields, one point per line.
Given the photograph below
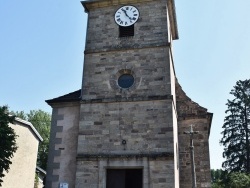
x=126 y=81
x=126 y=31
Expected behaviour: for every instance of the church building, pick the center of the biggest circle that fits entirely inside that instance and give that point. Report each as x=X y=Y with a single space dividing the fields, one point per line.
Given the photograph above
x=125 y=127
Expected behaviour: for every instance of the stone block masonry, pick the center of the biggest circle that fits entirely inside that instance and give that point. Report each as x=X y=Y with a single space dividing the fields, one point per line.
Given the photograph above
x=150 y=30
x=157 y=172
x=150 y=68
x=146 y=126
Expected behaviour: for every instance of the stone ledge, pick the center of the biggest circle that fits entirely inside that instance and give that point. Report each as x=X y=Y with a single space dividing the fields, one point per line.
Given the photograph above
x=92 y=4
x=193 y=116
x=127 y=155
x=129 y=99
x=123 y=47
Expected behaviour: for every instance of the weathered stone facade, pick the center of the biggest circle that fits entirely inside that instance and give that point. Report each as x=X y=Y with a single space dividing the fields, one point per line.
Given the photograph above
x=63 y=145
x=142 y=116
x=150 y=67
x=104 y=126
x=190 y=113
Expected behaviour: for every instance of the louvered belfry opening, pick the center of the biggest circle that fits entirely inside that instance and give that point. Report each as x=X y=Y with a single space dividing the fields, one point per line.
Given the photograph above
x=126 y=31
x=124 y=178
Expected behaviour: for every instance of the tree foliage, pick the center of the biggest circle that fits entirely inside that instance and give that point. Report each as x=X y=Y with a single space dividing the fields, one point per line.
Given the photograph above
x=216 y=174
x=238 y=180
x=7 y=141
x=219 y=178
x=223 y=179
x=41 y=121
x=236 y=129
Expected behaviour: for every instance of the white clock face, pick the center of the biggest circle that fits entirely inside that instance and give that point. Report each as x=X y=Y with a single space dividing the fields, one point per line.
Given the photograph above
x=126 y=15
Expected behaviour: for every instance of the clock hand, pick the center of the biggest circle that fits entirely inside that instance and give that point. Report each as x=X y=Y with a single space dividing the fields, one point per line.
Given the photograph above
x=125 y=12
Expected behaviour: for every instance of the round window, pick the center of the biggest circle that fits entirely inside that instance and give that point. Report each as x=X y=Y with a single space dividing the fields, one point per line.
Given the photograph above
x=126 y=81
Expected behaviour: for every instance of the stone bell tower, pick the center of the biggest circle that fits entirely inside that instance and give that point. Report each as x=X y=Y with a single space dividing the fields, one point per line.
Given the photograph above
x=128 y=123
x=120 y=130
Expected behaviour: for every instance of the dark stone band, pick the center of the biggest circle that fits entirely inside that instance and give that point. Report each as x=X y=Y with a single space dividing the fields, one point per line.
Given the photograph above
x=127 y=155
x=128 y=99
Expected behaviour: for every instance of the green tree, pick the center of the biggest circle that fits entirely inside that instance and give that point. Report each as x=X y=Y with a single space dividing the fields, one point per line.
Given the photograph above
x=217 y=185
x=20 y=114
x=41 y=121
x=7 y=141
x=238 y=180
x=216 y=174
x=236 y=129
x=219 y=178
x=223 y=179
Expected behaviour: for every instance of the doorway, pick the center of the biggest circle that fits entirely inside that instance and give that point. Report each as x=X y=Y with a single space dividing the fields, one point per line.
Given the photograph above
x=124 y=178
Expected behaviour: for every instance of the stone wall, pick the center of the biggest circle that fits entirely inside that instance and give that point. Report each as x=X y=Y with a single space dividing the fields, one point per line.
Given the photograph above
x=162 y=173
x=150 y=68
x=190 y=113
x=87 y=174
x=150 y=30
x=134 y=127
x=201 y=153
x=146 y=55
x=157 y=172
x=146 y=126
x=63 y=144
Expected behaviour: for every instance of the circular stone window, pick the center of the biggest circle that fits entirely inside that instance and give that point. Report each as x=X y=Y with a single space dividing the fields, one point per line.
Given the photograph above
x=126 y=81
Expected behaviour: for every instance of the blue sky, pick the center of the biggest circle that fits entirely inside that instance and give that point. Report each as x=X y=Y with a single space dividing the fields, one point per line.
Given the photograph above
x=42 y=44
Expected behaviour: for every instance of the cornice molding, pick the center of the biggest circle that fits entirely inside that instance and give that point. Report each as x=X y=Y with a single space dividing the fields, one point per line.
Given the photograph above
x=92 y=4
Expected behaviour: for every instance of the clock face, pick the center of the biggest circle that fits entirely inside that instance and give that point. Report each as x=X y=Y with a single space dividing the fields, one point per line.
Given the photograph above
x=126 y=15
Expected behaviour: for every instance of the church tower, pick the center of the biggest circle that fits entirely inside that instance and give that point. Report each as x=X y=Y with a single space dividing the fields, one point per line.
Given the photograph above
x=121 y=129
x=128 y=119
